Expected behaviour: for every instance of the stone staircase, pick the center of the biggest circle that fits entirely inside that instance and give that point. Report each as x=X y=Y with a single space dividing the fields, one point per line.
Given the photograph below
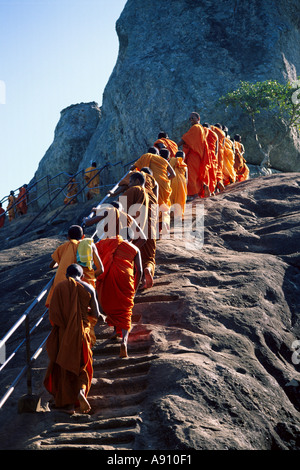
x=117 y=392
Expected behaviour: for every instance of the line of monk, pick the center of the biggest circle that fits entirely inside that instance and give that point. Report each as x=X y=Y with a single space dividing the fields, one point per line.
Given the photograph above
x=98 y=281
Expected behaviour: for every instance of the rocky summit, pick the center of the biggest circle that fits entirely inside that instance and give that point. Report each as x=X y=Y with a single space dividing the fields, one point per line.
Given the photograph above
x=213 y=353
x=175 y=57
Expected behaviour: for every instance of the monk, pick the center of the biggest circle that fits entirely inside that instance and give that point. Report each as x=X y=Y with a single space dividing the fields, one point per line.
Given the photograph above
x=70 y=370
x=2 y=215
x=111 y=220
x=11 y=206
x=212 y=142
x=242 y=170
x=92 y=177
x=179 y=183
x=229 y=174
x=196 y=157
x=163 y=140
x=162 y=173
x=66 y=254
x=21 y=201
x=217 y=128
x=145 y=203
x=72 y=191
x=117 y=285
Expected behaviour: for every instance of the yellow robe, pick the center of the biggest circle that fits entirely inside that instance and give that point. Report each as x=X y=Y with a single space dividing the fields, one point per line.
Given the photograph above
x=158 y=165
x=178 y=184
x=229 y=174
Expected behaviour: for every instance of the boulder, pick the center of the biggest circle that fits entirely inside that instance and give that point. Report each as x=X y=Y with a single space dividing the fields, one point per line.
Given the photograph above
x=181 y=56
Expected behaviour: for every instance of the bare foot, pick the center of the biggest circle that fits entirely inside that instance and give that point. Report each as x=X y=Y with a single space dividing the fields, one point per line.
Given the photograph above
x=123 y=350
x=148 y=278
x=84 y=404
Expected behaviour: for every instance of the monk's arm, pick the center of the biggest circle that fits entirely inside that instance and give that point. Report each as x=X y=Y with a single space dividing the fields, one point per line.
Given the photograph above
x=95 y=307
x=53 y=264
x=138 y=268
x=93 y=220
x=97 y=262
x=171 y=172
x=180 y=143
x=141 y=240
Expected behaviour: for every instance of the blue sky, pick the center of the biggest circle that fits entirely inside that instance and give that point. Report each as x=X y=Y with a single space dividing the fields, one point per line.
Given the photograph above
x=53 y=53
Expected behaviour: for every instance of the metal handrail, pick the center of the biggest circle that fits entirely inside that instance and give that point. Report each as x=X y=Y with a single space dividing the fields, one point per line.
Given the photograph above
x=25 y=318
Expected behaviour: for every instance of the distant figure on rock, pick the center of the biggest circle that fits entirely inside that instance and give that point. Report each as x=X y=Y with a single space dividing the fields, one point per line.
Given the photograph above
x=11 y=208
x=72 y=191
x=2 y=215
x=92 y=177
x=163 y=140
x=21 y=201
x=242 y=170
x=70 y=370
x=117 y=285
x=196 y=157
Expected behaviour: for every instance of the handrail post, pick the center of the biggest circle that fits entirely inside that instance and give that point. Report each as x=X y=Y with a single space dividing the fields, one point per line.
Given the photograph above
x=28 y=359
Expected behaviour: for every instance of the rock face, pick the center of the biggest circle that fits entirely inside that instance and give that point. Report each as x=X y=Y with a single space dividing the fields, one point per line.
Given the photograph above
x=180 y=56
x=71 y=138
x=211 y=359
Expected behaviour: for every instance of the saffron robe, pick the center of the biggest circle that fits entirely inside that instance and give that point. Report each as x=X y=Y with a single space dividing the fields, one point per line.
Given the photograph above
x=159 y=166
x=229 y=174
x=169 y=144
x=196 y=159
x=94 y=183
x=242 y=170
x=212 y=142
x=116 y=286
x=64 y=255
x=68 y=345
x=2 y=217
x=72 y=191
x=221 y=144
x=148 y=250
x=11 y=208
x=179 y=184
x=21 y=201
x=146 y=217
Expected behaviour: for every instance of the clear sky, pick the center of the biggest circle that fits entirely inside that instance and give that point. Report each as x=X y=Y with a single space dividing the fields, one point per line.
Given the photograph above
x=53 y=53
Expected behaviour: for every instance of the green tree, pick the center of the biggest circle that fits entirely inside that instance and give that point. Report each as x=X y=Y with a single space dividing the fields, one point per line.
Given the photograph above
x=280 y=101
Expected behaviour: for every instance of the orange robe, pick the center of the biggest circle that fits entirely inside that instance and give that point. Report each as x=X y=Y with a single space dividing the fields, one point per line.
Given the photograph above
x=116 y=286
x=169 y=144
x=178 y=184
x=197 y=159
x=2 y=217
x=68 y=345
x=64 y=255
x=148 y=250
x=11 y=208
x=221 y=143
x=159 y=166
x=94 y=183
x=229 y=174
x=242 y=170
x=22 y=201
x=212 y=142
x=72 y=190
